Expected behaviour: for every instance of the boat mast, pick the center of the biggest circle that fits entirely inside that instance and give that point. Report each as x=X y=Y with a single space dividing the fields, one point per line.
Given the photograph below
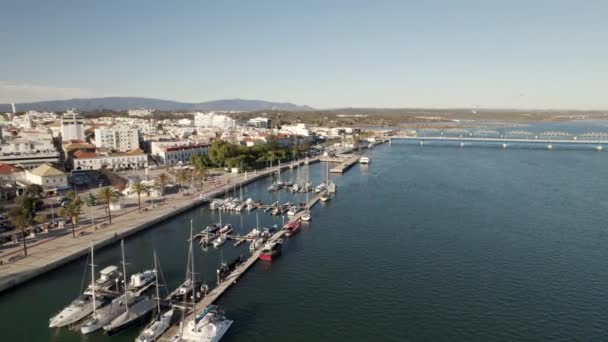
x=124 y=272
x=93 y=280
x=192 y=267
x=157 y=291
x=257 y=220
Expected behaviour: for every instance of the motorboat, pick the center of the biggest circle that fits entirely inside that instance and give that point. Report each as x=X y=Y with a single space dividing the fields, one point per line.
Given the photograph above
x=294 y=209
x=256 y=244
x=306 y=216
x=364 y=160
x=292 y=228
x=208 y=326
x=271 y=250
x=226 y=229
x=220 y=240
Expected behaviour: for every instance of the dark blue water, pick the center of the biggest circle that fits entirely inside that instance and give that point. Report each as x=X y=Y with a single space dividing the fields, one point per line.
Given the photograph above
x=426 y=243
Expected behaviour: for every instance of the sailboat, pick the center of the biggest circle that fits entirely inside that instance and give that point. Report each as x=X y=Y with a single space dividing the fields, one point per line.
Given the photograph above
x=331 y=186
x=306 y=215
x=189 y=287
x=161 y=322
x=136 y=311
x=82 y=306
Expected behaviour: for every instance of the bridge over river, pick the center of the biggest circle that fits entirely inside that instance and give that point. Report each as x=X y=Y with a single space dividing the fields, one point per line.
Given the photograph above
x=549 y=140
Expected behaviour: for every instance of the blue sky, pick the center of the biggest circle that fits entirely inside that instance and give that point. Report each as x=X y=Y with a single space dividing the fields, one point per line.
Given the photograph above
x=325 y=53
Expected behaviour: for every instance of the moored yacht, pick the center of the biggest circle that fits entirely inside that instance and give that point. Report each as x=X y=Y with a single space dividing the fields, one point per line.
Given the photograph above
x=364 y=160
x=271 y=250
x=208 y=326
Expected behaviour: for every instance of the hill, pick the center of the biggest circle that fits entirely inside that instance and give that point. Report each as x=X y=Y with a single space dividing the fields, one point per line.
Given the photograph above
x=125 y=103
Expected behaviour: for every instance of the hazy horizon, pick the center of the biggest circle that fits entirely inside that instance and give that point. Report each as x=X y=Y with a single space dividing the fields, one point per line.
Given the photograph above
x=544 y=55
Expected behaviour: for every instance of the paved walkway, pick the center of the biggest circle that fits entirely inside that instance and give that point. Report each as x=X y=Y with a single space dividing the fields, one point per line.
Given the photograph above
x=51 y=252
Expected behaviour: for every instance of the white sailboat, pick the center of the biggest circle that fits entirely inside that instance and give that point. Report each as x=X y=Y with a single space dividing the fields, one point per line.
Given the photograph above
x=135 y=311
x=161 y=322
x=81 y=307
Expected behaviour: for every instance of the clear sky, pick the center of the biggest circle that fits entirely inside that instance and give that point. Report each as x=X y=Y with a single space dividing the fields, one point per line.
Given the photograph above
x=325 y=53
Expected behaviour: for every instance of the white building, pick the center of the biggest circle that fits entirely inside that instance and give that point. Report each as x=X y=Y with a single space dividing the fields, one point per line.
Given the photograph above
x=28 y=153
x=47 y=176
x=117 y=138
x=212 y=119
x=260 y=122
x=139 y=112
x=181 y=154
x=115 y=161
x=297 y=129
x=72 y=126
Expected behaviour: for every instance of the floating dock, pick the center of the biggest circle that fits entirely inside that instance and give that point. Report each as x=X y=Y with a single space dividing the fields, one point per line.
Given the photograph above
x=345 y=165
x=231 y=279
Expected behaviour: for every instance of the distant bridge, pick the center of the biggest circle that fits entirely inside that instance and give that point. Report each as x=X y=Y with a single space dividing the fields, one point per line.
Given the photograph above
x=547 y=139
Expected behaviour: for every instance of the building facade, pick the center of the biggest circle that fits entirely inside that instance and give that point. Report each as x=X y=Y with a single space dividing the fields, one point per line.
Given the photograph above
x=121 y=139
x=181 y=154
x=213 y=119
x=72 y=126
x=134 y=160
x=260 y=122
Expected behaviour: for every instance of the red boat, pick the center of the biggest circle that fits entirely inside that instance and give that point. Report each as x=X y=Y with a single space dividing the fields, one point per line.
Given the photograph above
x=292 y=228
x=271 y=250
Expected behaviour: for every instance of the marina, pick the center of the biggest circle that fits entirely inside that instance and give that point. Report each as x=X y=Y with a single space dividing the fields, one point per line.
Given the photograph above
x=55 y=252
x=365 y=250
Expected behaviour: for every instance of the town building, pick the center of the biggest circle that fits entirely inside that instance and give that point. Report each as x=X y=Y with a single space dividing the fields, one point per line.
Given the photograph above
x=139 y=112
x=28 y=153
x=48 y=177
x=260 y=122
x=213 y=119
x=117 y=138
x=132 y=160
x=72 y=126
x=180 y=154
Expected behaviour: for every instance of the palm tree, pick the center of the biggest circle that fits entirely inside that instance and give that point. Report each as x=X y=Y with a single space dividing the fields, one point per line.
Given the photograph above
x=182 y=177
x=199 y=173
x=138 y=188
x=21 y=219
x=162 y=180
x=108 y=195
x=71 y=212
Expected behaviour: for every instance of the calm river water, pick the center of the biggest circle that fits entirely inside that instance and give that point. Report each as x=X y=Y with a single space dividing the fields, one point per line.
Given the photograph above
x=433 y=243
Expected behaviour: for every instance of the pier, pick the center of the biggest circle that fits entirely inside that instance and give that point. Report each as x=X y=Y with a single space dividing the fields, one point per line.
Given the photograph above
x=345 y=165
x=232 y=278
x=52 y=252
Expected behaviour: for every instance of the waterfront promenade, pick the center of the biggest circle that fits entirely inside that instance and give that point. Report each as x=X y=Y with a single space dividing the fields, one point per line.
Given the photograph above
x=51 y=252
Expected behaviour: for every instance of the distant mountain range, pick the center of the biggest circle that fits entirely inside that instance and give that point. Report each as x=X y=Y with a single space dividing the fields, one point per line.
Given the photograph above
x=125 y=103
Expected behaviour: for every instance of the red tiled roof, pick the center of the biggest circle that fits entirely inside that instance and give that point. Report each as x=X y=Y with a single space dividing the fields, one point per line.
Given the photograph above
x=6 y=169
x=84 y=154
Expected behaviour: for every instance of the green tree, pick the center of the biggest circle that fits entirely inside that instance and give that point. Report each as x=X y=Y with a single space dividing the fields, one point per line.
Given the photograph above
x=33 y=190
x=139 y=188
x=71 y=212
x=21 y=218
x=106 y=196
x=162 y=180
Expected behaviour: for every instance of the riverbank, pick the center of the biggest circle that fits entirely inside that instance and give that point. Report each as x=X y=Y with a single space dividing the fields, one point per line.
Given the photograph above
x=52 y=253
